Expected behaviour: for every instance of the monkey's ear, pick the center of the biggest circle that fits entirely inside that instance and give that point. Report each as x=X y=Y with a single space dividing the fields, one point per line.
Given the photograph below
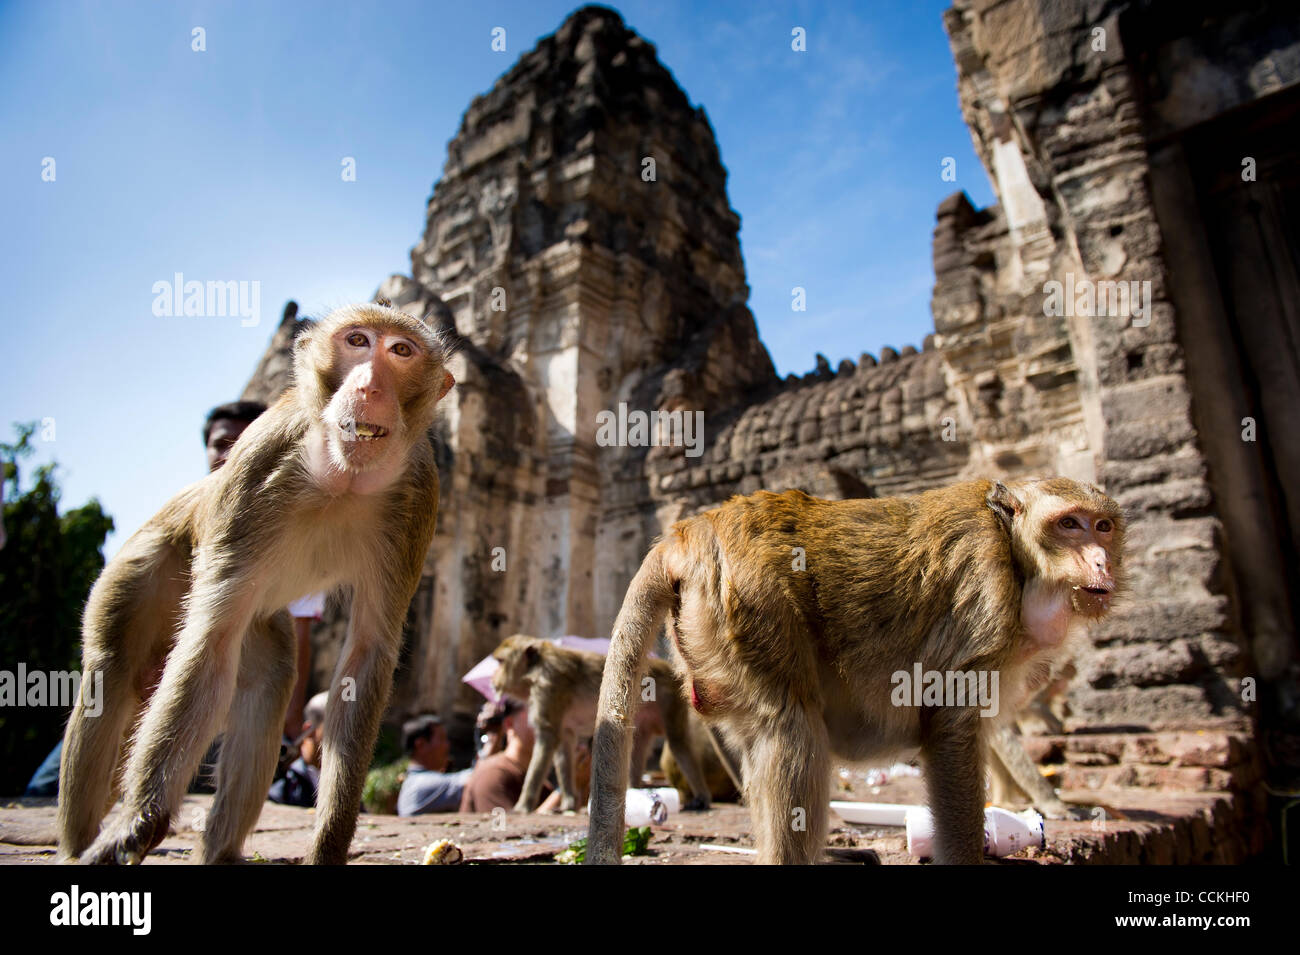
x=1003 y=503
x=532 y=654
x=447 y=382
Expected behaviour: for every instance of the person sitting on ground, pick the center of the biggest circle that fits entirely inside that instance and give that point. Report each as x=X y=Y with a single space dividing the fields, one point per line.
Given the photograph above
x=498 y=780
x=301 y=780
x=428 y=787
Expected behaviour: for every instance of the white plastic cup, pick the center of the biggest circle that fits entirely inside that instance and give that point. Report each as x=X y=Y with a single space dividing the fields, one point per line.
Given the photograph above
x=646 y=806
x=1005 y=832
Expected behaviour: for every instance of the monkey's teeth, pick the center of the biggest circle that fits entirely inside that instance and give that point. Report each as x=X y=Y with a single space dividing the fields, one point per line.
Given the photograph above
x=362 y=430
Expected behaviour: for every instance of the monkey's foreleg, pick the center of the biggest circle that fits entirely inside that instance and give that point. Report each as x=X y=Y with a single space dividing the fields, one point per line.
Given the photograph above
x=1011 y=768
x=185 y=714
x=641 y=740
x=251 y=744
x=954 y=779
x=726 y=755
x=538 y=766
x=356 y=704
x=677 y=729
x=564 y=772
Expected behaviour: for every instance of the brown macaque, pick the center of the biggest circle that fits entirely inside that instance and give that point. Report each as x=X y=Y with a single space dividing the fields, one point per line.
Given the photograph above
x=561 y=686
x=794 y=619
x=717 y=774
x=334 y=486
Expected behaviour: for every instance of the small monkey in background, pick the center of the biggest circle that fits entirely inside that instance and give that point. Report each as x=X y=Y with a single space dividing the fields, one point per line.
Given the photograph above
x=561 y=685
x=335 y=485
x=794 y=658
x=1014 y=778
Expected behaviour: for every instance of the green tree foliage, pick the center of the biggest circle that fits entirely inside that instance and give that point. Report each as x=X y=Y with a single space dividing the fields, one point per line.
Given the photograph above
x=47 y=567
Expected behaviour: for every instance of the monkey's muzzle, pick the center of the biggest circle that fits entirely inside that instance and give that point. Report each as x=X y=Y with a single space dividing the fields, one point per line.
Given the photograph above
x=1093 y=600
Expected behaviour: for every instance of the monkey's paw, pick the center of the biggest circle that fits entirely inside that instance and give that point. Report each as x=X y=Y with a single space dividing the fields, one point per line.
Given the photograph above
x=130 y=842
x=1062 y=811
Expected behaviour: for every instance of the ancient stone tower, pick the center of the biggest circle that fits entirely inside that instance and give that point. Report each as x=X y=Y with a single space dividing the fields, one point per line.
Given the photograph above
x=582 y=243
x=1119 y=316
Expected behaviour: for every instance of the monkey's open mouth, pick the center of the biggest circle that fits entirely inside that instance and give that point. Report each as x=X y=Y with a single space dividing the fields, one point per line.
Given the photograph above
x=364 y=431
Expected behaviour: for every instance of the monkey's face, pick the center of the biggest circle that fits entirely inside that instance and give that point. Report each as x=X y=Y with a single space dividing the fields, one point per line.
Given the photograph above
x=384 y=375
x=1081 y=536
x=515 y=657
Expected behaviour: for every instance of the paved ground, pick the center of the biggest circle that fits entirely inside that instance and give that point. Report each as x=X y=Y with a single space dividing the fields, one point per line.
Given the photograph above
x=1140 y=826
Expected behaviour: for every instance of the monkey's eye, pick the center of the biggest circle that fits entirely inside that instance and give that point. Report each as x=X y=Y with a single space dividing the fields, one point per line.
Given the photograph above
x=402 y=350
x=1104 y=526
x=357 y=340
x=1069 y=523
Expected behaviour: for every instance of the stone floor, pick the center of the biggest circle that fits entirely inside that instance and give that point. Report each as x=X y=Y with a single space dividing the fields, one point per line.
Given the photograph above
x=1140 y=826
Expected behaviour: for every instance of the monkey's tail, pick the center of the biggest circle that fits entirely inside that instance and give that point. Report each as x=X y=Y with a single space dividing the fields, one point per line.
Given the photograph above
x=649 y=598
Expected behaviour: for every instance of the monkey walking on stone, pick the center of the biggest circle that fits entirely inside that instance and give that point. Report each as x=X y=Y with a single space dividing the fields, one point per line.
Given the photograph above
x=335 y=485
x=561 y=686
x=793 y=658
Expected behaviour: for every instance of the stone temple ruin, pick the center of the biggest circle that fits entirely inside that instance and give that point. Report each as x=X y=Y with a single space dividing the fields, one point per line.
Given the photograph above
x=1126 y=314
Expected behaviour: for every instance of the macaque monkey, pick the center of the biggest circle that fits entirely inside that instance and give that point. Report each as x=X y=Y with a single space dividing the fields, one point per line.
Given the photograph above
x=561 y=686
x=717 y=774
x=335 y=485
x=795 y=618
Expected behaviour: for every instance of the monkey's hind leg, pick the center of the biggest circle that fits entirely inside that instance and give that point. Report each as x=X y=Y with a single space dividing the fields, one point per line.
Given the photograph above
x=788 y=776
x=564 y=771
x=544 y=753
x=184 y=715
x=251 y=744
x=351 y=727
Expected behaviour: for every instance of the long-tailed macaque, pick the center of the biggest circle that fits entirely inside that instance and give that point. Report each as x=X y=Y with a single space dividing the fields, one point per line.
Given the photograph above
x=561 y=685
x=798 y=620
x=334 y=486
x=717 y=773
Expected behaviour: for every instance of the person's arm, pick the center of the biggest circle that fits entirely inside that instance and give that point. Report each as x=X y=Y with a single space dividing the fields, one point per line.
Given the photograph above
x=302 y=640
x=423 y=792
x=303 y=611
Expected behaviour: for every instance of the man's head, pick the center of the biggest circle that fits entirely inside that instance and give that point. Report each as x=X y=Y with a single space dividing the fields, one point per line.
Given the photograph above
x=313 y=716
x=519 y=732
x=224 y=424
x=425 y=741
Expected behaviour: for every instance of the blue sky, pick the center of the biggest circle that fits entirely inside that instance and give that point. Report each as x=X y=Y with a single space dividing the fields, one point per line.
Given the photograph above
x=224 y=164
